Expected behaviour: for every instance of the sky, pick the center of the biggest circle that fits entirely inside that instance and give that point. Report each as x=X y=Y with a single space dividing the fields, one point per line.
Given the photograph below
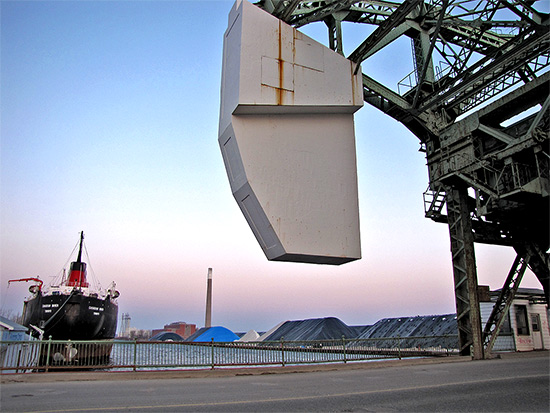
x=109 y=125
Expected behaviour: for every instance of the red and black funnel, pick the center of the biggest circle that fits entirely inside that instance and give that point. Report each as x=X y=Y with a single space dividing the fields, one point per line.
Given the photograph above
x=77 y=275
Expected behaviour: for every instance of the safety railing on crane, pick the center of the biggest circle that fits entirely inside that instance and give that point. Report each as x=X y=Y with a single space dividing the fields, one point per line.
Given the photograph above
x=434 y=201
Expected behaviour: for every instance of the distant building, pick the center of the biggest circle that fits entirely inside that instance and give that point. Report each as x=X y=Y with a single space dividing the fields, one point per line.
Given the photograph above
x=217 y=334
x=327 y=328
x=138 y=334
x=425 y=331
x=125 y=325
x=12 y=331
x=166 y=336
x=180 y=328
x=525 y=327
x=251 y=335
x=24 y=354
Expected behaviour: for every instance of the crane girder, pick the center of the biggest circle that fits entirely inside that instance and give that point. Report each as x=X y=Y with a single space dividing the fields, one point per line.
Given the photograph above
x=384 y=29
x=491 y=74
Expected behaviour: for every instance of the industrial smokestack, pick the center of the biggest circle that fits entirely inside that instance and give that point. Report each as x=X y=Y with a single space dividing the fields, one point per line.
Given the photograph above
x=208 y=318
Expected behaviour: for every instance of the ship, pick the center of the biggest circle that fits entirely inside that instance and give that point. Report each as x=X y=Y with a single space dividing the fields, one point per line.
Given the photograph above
x=73 y=309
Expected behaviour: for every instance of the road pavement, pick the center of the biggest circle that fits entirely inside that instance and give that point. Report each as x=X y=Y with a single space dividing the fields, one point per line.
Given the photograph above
x=516 y=382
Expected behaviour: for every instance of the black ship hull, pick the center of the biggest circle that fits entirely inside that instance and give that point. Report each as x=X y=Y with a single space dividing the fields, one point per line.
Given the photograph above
x=71 y=317
x=74 y=317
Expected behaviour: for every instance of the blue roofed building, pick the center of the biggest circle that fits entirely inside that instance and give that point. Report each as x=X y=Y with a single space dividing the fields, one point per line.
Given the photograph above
x=12 y=331
x=15 y=354
x=216 y=334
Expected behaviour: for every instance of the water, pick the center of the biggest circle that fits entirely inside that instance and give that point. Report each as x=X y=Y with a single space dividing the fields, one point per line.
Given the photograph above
x=196 y=356
x=130 y=355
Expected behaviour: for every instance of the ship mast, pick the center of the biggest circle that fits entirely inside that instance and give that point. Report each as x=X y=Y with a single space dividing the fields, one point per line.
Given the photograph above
x=79 y=258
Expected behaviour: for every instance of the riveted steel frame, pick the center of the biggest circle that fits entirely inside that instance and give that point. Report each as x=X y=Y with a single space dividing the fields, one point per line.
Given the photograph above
x=464 y=272
x=503 y=303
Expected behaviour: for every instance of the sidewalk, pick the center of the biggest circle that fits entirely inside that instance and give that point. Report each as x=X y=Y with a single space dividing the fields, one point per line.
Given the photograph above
x=233 y=372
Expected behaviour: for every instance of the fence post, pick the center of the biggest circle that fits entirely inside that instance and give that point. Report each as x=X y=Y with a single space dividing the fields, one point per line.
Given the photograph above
x=344 y=347
x=135 y=353
x=18 y=358
x=399 y=346
x=48 y=354
x=212 y=352
x=283 y=351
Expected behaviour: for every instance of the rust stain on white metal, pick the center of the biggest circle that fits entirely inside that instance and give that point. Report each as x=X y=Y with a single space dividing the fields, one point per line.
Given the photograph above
x=288 y=110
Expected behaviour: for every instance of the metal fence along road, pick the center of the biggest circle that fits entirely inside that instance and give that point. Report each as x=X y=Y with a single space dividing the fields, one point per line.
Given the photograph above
x=49 y=355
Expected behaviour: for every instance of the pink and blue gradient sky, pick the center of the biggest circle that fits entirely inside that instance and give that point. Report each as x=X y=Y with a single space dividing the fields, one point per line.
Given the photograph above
x=109 y=125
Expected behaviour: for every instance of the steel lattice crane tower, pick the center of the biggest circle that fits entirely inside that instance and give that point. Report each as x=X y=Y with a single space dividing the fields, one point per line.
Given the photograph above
x=477 y=66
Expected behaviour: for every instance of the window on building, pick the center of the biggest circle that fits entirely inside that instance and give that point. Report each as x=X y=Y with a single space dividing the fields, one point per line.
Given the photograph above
x=522 y=321
x=506 y=328
x=535 y=322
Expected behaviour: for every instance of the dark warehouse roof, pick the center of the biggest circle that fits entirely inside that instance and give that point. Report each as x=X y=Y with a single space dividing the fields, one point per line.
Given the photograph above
x=166 y=336
x=418 y=326
x=312 y=329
